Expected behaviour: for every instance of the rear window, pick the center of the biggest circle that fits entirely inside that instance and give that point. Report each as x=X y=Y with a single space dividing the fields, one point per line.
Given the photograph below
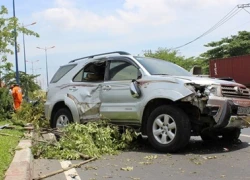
x=61 y=72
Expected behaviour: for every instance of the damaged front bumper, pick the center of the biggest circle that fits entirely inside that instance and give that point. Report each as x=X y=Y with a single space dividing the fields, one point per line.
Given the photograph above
x=239 y=121
x=227 y=112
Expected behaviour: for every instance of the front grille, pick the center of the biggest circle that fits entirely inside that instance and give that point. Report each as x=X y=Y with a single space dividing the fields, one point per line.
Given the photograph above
x=235 y=91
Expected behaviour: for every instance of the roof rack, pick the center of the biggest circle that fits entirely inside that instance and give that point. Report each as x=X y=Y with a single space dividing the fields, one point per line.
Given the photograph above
x=92 y=56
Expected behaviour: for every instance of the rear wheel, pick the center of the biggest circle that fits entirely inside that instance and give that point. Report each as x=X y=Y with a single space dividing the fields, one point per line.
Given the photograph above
x=168 y=128
x=62 y=118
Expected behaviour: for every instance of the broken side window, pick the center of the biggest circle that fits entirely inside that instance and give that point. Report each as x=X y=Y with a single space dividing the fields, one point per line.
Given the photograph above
x=92 y=72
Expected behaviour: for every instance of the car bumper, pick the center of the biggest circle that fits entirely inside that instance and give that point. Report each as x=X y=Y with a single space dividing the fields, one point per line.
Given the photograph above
x=239 y=121
x=225 y=112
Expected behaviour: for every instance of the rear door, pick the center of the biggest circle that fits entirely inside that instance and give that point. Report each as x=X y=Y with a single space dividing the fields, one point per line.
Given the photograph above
x=117 y=102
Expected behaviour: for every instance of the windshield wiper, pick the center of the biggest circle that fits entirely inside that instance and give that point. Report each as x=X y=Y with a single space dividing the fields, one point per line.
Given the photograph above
x=160 y=74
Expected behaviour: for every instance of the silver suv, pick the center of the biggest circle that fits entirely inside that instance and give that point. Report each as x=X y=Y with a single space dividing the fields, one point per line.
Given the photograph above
x=167 y=103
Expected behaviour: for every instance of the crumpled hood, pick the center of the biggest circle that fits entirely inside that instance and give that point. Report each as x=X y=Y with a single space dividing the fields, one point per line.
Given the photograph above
x=195 y=79
x=206 y=81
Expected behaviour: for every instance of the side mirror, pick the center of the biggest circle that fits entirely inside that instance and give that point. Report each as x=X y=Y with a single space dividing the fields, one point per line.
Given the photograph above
x=134 y=89
x=196 y=70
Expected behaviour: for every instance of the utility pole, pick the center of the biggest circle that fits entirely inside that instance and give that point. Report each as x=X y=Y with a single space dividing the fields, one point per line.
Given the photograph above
x=16 y=55
x=243 y=5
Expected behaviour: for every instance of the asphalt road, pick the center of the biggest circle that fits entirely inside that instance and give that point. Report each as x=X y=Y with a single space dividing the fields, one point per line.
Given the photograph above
x=199 y=160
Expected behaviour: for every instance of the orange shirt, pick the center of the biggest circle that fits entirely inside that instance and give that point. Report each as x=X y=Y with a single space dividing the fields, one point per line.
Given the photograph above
x=17 y=94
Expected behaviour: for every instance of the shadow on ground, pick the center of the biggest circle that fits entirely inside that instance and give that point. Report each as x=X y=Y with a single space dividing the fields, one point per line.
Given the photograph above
x=196 y=146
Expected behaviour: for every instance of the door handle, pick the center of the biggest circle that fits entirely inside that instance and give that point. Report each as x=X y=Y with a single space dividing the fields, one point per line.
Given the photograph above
x=108 y=87
x=73 y=88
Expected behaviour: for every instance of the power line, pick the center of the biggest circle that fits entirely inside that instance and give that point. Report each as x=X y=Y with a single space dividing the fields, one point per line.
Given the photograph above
x=243 y=5
x=226 y=18
x=232 y=13
x=246 y=11
x=220 y=23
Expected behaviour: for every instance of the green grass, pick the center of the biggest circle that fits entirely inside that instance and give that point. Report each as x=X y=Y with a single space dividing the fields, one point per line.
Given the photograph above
x=7 y=147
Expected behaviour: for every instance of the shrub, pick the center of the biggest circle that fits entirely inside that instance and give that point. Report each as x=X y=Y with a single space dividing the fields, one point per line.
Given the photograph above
x=6 y=104
x=32 y=112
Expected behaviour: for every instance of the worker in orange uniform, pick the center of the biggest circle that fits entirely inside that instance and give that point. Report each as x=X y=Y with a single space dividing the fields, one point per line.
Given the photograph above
x=17 y=95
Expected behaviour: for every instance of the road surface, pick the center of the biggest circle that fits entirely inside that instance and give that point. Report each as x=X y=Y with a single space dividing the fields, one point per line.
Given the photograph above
x=199 y=160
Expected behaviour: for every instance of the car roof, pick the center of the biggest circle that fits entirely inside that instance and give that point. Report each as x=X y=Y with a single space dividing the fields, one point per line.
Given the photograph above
x=95 y=55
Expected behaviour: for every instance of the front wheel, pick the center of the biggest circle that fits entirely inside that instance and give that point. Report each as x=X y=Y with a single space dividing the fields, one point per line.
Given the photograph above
x=62 y=118
x=168 y=128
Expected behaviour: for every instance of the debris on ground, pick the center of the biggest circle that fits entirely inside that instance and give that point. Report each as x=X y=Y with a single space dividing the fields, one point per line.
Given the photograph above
x=145 y=163
x=225 y=149
x=90 y=168
x=83 y=141
x=209 y=157
x=134 y=178
x=64 y=169
x=73 y=176
x=195 y=160
x=4 y=126
x=128 y=168
x=151 y=157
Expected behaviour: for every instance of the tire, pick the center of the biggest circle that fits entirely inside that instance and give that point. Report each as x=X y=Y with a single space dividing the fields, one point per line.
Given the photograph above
x=171 y=135
x=231 y=134
x=62 y=118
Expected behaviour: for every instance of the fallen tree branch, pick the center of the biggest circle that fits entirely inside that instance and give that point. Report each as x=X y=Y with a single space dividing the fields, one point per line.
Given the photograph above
x=4 y=134
x=42 y=141
x=64 y=169
x=84 y=156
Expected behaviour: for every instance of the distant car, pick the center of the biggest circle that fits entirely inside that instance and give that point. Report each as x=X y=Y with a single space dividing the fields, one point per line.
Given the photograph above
x=167 y=103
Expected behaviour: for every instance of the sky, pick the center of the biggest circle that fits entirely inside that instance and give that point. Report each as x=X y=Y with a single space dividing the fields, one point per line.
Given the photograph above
x=79 y=28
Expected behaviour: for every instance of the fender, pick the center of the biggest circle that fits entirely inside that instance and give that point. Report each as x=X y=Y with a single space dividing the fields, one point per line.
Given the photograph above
x=163 y=94
x=72 y=105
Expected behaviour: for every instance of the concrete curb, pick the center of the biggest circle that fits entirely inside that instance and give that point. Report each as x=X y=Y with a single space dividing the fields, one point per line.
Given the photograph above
x=22 y=163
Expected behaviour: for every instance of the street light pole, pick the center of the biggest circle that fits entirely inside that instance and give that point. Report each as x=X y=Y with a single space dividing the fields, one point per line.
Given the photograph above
x=16 y=56
x=32 y=65
x=24 y=52
x=33 y=73
x=24 y=58
x=47 y=73
x=24 y=55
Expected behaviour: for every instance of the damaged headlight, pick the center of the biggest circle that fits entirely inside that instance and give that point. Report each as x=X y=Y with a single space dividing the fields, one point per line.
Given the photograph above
x=190 y=87
x=212 y=90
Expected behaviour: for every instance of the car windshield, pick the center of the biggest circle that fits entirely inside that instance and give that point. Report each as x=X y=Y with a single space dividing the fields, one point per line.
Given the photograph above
x=161 y=67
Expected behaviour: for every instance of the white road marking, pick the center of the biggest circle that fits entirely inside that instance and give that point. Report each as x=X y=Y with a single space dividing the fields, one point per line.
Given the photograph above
x=245 y=135
x=70 y=173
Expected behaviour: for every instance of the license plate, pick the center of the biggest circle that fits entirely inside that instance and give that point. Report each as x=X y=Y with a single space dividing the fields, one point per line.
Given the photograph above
x=243 y=110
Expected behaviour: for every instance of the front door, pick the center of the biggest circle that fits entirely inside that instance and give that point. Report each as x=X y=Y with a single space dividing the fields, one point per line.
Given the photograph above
x=85 y=89
x=117 y=103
